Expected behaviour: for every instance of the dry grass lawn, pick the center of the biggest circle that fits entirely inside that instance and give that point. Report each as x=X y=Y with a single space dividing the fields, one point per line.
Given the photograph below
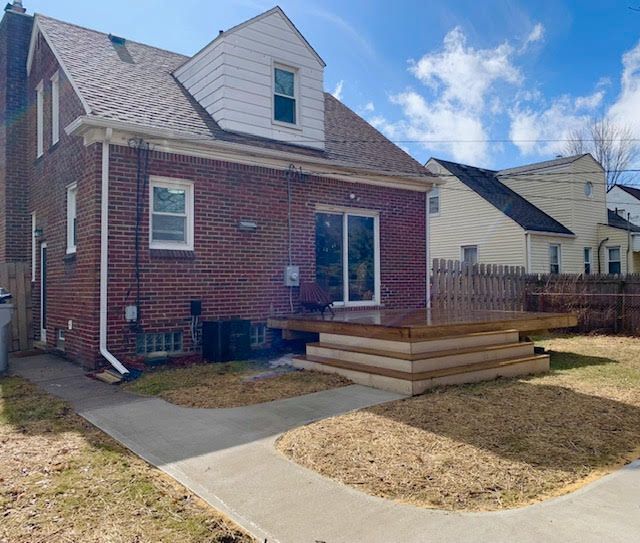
x=494 y=445
x=231 y=384
x=63 y=480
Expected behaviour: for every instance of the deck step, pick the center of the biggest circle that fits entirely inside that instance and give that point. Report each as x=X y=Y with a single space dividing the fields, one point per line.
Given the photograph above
x=416 y=383
x=480 y=339
x=418 y=362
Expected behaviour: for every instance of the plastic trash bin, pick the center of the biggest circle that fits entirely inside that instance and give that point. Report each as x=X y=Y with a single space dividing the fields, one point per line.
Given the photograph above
x=6 y=312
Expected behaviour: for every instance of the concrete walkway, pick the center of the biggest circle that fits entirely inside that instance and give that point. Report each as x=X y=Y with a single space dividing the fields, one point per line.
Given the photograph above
x=227 y=457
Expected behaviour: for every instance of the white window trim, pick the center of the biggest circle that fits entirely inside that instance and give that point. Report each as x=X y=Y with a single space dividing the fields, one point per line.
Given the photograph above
x=55 y=108
x=39 y=119
x=469 y=246
x=590 y=261
x=559 y=246
x=296 y=94
x=34 y=247
x=609 y=248
x=72 y=212
x=345 y=212
x=435 y=193
x=171 y=183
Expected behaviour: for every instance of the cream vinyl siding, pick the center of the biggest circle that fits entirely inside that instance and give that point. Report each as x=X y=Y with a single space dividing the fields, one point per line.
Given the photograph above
x=539 y=253
x=467 y=219
x=617 y=238
x=232 y=78
x=559 y=192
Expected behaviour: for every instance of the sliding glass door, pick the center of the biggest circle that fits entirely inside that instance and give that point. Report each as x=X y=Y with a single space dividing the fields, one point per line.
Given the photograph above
x=348 y=256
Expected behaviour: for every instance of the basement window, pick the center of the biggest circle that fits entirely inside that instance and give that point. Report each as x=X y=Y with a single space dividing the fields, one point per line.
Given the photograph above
x=258 y=335
x=284 y=95
x=152 y=343
x=171 y=217
x=72 y=221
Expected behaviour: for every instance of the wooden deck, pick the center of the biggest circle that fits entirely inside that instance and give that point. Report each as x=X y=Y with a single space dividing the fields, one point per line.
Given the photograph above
x=413 y=325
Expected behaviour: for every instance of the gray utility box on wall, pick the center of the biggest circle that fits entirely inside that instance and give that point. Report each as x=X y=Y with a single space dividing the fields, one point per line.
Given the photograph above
x=226 y=340
x=6 y=312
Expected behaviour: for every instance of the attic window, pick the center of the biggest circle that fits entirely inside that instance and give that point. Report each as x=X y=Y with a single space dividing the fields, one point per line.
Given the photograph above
x=120 y=45
x=284 y=95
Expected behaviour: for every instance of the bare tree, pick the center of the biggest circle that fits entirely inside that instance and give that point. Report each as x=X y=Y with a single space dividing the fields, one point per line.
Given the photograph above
x=611 y=144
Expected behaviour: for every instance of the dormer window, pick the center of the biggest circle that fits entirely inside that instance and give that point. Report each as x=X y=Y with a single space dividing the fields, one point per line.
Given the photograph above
x=284 y=95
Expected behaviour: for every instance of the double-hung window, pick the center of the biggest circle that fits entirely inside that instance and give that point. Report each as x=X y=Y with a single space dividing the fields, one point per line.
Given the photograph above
x=285 y=95
x=171 y=214
x=40 y=119
x=55 y=108
x=348 y=256
x=613 y=260
x=554 y=258
x=434 y=201
x=72 y=221
x=588 y=252
x=469 y=254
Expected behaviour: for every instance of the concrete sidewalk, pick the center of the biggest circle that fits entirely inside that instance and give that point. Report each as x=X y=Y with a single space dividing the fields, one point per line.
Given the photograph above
x=227 y=457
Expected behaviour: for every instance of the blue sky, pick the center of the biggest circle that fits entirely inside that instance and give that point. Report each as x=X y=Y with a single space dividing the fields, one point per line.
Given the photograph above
x=488 y=83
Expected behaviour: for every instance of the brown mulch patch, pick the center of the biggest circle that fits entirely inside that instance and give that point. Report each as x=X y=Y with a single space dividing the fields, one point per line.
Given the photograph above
x=493 y=445
x=63 y=480
x=232 y=385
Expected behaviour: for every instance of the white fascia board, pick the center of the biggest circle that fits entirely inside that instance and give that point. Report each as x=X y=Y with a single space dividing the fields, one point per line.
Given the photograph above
x=92 y=129
x=37 y=29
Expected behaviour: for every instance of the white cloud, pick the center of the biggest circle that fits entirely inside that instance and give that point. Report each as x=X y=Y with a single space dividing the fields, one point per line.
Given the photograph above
x=590 y=102
x=536 y=34
x=626 y=108
x=369 y=107
x=463 y=89
x=337 y=92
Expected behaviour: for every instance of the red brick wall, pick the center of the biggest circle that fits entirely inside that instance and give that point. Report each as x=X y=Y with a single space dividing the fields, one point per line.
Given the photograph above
x=72 y=280
x=15 y=31
x=238 y=273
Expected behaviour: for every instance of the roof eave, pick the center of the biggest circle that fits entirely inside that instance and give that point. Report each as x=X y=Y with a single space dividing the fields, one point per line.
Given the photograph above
x=172 y=141
x=547 y=233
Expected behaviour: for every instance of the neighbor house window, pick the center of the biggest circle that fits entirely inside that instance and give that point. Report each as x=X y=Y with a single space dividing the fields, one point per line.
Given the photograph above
x=40 y=119
x=434 y=201
x=55 y=108
x=469 y=254
x=554 y=258
x=72 y=220
x=348 y=256
x=588 y=189
x=258 y=335
x=587 y=260
x=171 y=215
x=613 y=258
x=284 y=95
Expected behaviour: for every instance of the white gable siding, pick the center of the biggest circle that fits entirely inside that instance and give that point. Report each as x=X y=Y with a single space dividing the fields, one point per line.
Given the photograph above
x=559 y=192
x=619 y=199
x=232 y=79
x=467 y=219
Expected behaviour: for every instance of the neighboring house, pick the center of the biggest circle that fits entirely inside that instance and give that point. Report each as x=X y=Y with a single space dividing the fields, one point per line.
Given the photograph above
x=549 y=217
x=137 y=181
x=625 y=201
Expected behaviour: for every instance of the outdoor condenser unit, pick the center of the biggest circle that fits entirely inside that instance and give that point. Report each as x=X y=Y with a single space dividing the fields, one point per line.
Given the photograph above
x=226 y=340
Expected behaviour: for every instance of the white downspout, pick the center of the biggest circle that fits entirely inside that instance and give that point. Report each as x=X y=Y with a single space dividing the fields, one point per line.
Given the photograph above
x=428 y=244
x=527 y=243
x=104 y=256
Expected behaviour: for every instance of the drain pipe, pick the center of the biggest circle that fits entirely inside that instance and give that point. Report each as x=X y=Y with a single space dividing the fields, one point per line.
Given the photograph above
x=427 y=252
x=104 y=256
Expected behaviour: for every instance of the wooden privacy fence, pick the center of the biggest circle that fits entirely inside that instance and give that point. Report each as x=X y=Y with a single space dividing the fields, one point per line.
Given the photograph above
x=458 y=287
x=16 y=278
x=603 y=303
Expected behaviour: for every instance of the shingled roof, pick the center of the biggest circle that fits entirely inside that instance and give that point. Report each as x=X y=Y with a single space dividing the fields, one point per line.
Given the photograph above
x=633 y=191
x=616 y=221
x=144 y=92
x=486 y=184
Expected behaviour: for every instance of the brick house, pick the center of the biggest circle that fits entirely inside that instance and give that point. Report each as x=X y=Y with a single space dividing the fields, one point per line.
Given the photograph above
x=136 y=180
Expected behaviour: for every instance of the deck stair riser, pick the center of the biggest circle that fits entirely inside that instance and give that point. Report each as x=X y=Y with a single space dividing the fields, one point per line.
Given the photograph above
x=415 y=347
x=410 y=384
x=423 y=361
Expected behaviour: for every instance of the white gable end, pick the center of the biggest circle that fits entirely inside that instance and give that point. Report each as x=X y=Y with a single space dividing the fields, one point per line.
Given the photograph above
x=233 y=78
